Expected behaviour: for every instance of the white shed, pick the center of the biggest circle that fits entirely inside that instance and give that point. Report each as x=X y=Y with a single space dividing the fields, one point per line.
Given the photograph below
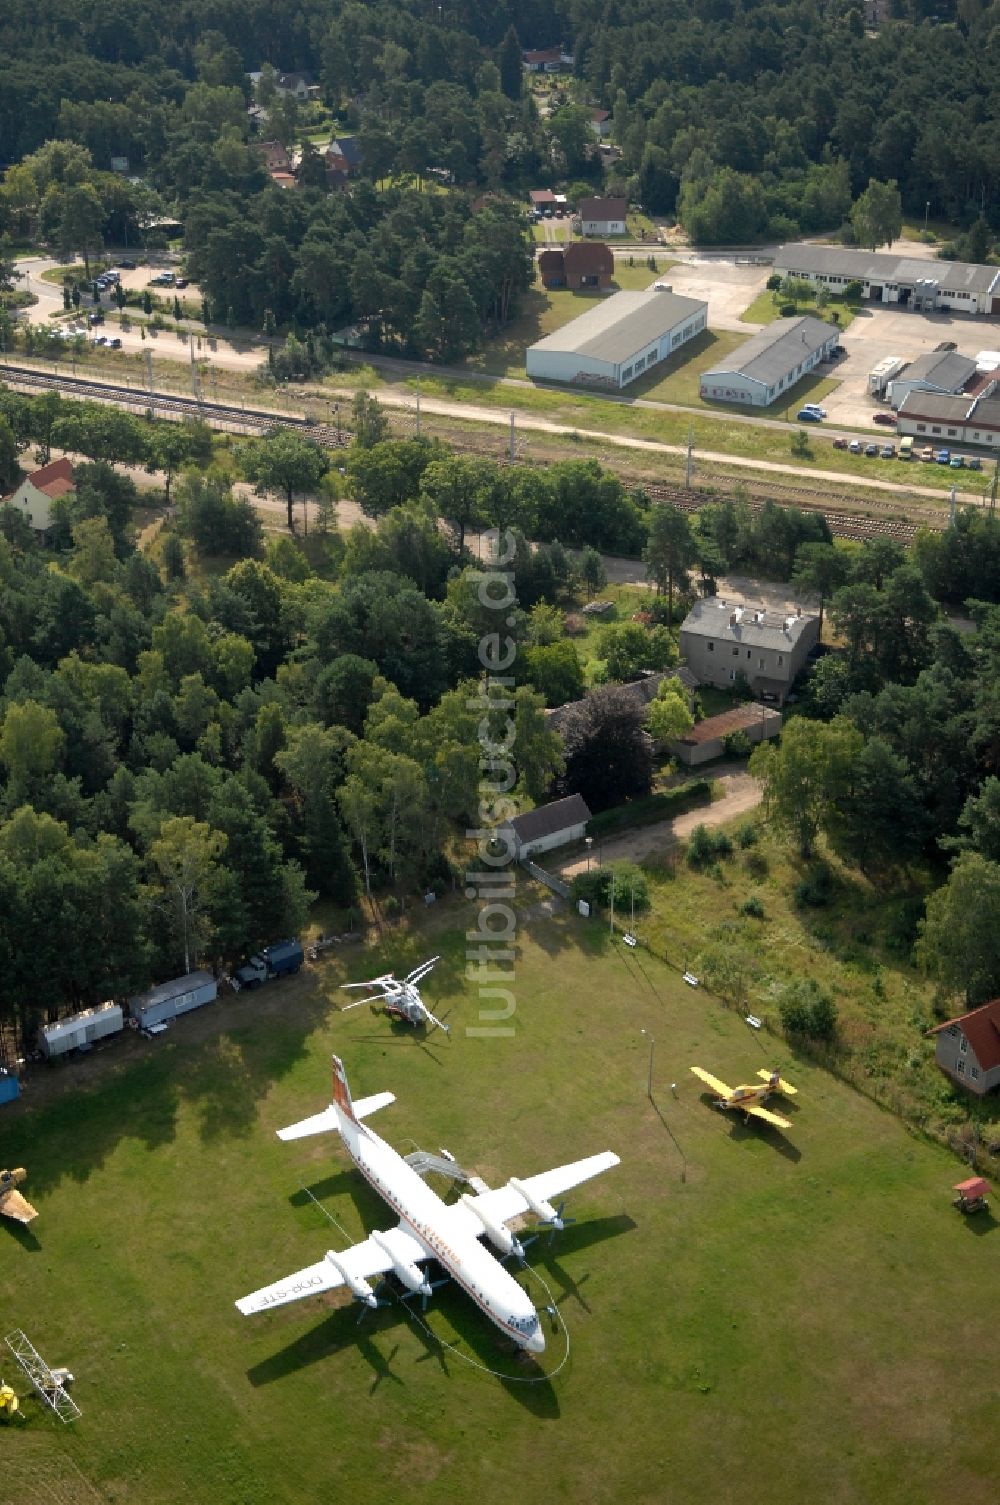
x=549 y=826
x=80 y=1029
x=168 y=999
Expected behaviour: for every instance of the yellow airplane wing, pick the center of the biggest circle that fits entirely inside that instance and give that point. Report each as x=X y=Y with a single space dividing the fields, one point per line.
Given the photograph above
x=782 y=1085
x=768 y=1117
x=13 y=1205
x=712 y=1081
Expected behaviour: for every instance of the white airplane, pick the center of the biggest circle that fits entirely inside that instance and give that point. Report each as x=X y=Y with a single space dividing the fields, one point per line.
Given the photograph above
x=428 y=1228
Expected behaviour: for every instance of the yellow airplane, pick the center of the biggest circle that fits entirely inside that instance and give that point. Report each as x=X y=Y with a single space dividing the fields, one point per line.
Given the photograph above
x=750 y=1099
x=12 y=1204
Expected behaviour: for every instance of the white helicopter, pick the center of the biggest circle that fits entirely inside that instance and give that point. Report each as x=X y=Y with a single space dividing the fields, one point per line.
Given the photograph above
x=402 y=999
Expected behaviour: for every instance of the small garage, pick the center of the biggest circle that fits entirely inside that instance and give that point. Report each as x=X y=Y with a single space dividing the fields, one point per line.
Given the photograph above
x=168 y=999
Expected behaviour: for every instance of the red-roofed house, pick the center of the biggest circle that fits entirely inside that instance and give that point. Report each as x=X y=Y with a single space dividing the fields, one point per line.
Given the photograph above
x=547 y=60
x=589 y=265
x=36 y=493
x=968 y=1048
x=600 y=123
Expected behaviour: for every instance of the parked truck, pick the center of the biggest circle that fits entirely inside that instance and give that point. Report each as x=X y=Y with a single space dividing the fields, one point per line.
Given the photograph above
x=279 y=960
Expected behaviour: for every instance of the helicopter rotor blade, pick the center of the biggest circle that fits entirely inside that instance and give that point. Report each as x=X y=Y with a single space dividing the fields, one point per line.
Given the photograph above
x=373 y=982
x=375 y=998
x=422 y=970
x=439 y=1023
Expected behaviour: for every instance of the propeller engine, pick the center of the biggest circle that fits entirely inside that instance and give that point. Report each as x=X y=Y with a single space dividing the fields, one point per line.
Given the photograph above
x=542 y=1210
x=410 y=1274
x=499 y=1236
x=356 y=1284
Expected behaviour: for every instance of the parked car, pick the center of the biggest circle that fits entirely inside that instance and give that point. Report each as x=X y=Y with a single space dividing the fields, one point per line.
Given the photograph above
x=839 y=350
x=180 y=282
x=806 y=415
x=127 y=264
x=115 y=343
x=943 y=457
x=973 y=462
x=956 y=462
x=814 y=407
x=887 y=452
x=98 y=339
x=927 y=454
x=871 y=450
x=97 y=317
x=840 y=443
x=855 y=446
x=889 y=419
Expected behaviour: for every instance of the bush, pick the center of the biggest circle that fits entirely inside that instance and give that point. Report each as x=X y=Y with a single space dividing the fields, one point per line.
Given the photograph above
x=707 y=846
x=631 y=887
x=806 y=1010
x=815 y=889
x=736 y=745
x=788 y=310
x=752 y=908
x=756 y=865
x=747 y=835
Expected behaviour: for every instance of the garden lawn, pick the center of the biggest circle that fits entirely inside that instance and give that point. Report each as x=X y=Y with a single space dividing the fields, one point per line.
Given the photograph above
x=741 y=1303
x=765 y=309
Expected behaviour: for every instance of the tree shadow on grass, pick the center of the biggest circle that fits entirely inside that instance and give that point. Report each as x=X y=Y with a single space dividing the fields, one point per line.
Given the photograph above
x=73 y=1134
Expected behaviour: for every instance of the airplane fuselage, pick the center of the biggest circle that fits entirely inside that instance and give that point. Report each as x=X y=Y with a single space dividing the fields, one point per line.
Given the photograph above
x=424 y=1215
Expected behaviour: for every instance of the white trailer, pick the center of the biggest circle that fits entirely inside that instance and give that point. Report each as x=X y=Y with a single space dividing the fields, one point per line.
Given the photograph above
x=79 y=1031
x=881 y=375
x=168 y=999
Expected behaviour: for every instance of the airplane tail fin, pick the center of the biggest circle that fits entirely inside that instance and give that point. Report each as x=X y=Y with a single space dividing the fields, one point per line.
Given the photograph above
x=364 y=1106
x=343 y=1106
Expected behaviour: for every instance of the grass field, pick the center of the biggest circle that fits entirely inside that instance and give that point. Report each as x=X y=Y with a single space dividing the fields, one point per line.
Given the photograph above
x=545 y=310
x=765 y=308
x=741 y=1304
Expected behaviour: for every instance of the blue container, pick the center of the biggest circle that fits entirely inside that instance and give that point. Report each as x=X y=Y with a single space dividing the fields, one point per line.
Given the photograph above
x=10 y=1088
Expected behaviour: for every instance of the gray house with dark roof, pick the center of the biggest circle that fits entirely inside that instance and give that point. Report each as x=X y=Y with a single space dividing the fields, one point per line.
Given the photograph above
x=944 y=372
x=766 y=366
x=618 y=338
x=724 y=642
x=643 y=691
x=549 y=826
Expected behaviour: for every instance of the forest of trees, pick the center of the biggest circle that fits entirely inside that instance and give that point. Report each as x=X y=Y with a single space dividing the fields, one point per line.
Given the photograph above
x=766 y=120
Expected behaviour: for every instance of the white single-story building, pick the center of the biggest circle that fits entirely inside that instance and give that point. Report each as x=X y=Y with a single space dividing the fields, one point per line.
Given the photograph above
x=912 y=281
x=549 y=826
x=602 y=216
x=768 y=364
x=618 y=339
x=935 y=418
x=945 y=372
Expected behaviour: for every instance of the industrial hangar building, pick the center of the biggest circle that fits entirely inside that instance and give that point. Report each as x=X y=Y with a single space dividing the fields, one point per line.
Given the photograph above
x=618 y=339
x=911 y=281
x=768 y=365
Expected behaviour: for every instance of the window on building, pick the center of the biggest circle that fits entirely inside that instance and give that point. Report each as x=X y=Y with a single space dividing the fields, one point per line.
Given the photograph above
x=935 y=429
x=952 y=433
x=781 y=658
x=736 y=653
x=760 y=663
x=963 y=1045
x=749 y=653
x=974 y=1073
x=710 y=647
x=960 y=1068
x=732 y=674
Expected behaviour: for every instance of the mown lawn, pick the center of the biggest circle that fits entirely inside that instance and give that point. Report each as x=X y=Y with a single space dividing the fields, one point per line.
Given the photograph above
x=765 y=308
x=545 y=310
x=741 y=1303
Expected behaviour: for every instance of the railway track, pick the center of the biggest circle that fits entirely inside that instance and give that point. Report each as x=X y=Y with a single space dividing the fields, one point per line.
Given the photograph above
x=885 y=523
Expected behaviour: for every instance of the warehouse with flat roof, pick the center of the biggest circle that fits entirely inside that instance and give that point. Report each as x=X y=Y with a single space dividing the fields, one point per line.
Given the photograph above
x=762 y=369
x=911 y=281
x=618 y=339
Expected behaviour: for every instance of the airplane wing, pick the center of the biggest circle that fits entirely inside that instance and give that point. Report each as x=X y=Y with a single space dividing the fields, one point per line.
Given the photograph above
x=13 y=1205
x=362 y=1260
x=506 y=1202
x=768 y=1117
x=782 y=1085
x=712 y=1081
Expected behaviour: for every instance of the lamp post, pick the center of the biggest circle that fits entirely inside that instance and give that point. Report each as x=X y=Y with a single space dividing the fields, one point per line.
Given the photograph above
x=336 y=415
x=927 y=210
x=649 y=1075
x=589 y=842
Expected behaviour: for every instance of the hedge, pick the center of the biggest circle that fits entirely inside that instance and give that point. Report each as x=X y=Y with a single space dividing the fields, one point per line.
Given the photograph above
x=654 y=807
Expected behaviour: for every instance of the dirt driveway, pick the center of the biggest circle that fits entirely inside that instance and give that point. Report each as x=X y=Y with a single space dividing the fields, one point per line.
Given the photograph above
x=740 y=794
